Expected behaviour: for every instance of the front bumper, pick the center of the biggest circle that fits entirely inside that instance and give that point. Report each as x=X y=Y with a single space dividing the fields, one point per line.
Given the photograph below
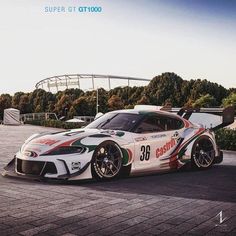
x=10 y=171
x=42 y=170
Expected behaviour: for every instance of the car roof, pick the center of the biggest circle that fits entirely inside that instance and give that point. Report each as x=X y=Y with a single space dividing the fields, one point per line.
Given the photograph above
x=144 y=111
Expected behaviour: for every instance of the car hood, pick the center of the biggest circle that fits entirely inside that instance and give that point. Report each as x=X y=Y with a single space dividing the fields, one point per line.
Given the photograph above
x=41 y=144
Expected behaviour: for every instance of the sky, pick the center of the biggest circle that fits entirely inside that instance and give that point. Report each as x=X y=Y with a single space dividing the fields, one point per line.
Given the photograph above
x=138 y=38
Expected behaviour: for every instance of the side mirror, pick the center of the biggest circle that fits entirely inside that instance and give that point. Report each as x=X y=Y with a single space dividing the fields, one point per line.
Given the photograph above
x=98 y=115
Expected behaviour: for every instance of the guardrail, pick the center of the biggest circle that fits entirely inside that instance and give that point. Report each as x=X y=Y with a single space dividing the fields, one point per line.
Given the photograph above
x=38 y=116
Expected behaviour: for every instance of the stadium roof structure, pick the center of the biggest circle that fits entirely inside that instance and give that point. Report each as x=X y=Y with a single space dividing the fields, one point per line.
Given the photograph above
x=88 y=82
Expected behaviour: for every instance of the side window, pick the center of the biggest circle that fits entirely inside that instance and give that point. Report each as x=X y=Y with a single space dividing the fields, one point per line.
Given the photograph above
x=171 y=123
x=150 y=124
x=157 y=123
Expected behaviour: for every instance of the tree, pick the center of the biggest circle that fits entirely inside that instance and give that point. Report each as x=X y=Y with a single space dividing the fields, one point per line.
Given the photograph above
x=102 y=100
x=63 y=105
x=81 y=107
x=165 y=89
x=16 y=99
x=204 y=87
x=41 y=100
x=74 y=93
x=230 y=100
x=189 y=103
x=115 y=103
x=5 y=102
x=24 y=104
x=165 y=86
x=205 y=101
x=72 y=112
x=143 y=100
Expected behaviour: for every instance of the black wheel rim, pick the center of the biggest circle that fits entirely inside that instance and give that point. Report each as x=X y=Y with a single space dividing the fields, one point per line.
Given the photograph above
x=204 y=153
x=108 y=160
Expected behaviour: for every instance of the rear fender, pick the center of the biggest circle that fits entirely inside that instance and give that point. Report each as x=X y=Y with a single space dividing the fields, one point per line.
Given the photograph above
x=185 y=153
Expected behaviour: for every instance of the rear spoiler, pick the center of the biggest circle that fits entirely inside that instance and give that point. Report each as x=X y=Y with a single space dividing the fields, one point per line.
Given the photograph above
x=227 y=114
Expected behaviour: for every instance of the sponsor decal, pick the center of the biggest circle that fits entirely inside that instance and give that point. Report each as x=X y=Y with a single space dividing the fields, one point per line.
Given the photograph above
x=158 y=136
x=76 y=165
x=175 y=135
x=162 y=150
x=138 y=139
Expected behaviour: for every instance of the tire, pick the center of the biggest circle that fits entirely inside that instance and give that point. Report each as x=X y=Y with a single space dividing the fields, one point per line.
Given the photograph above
x=125 y=172
x=203 y=153
x=107 y=161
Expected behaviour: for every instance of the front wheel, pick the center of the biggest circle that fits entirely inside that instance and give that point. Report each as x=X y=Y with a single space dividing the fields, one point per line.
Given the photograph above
x=203 y=153
x=107 y=161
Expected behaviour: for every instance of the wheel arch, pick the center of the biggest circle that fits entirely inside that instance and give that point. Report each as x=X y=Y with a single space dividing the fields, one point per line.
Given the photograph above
x=205 y=135
x=209 y=138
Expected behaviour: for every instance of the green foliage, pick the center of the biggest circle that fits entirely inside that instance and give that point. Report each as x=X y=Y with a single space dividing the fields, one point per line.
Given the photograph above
x=82 y=106
x=16 y=99
x=230 y=100
x=54 y=124
x=115 y=103
x=226 y=139
x=165 y=89
x=102 y=100
x=143 y=100
x=205 y=101
x=203 y=87
x=5 y=102
x=63 y=104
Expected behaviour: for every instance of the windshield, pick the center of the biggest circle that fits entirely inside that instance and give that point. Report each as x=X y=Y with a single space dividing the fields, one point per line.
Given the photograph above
x=115 y=121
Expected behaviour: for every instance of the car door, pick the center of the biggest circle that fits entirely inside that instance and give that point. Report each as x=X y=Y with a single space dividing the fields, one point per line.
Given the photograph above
x=155 y=138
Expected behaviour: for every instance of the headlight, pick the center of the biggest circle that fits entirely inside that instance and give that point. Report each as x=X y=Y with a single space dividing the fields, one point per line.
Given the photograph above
x=30 y=154
x=65 y=150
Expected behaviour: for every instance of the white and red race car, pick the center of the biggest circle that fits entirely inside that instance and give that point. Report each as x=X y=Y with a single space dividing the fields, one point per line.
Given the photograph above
x=143 y=140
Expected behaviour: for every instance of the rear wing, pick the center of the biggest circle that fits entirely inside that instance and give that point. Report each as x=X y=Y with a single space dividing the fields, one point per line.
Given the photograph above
x=213 y=118
x=227 y=114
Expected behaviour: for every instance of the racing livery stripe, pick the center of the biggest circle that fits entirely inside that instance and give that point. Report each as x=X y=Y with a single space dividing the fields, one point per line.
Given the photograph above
x=199 y=132
x=67 y=143
x=174 y=164
x=186 y=123
x=127 y=156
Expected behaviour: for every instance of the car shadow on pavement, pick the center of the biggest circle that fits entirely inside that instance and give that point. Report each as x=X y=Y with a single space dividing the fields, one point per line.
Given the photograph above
x=217 y=184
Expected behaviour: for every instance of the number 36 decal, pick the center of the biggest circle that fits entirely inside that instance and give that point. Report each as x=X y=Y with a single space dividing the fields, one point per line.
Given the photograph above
x=145 y=153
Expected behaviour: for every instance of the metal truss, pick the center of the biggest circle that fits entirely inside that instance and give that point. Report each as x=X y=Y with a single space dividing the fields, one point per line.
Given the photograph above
x=74 y=81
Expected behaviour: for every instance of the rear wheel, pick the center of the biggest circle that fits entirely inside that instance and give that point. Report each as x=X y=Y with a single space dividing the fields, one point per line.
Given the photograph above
x=203 y=153
x=107 y=161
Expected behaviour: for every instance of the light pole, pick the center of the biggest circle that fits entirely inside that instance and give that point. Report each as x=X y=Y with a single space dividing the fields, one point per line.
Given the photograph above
x=97 y=102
